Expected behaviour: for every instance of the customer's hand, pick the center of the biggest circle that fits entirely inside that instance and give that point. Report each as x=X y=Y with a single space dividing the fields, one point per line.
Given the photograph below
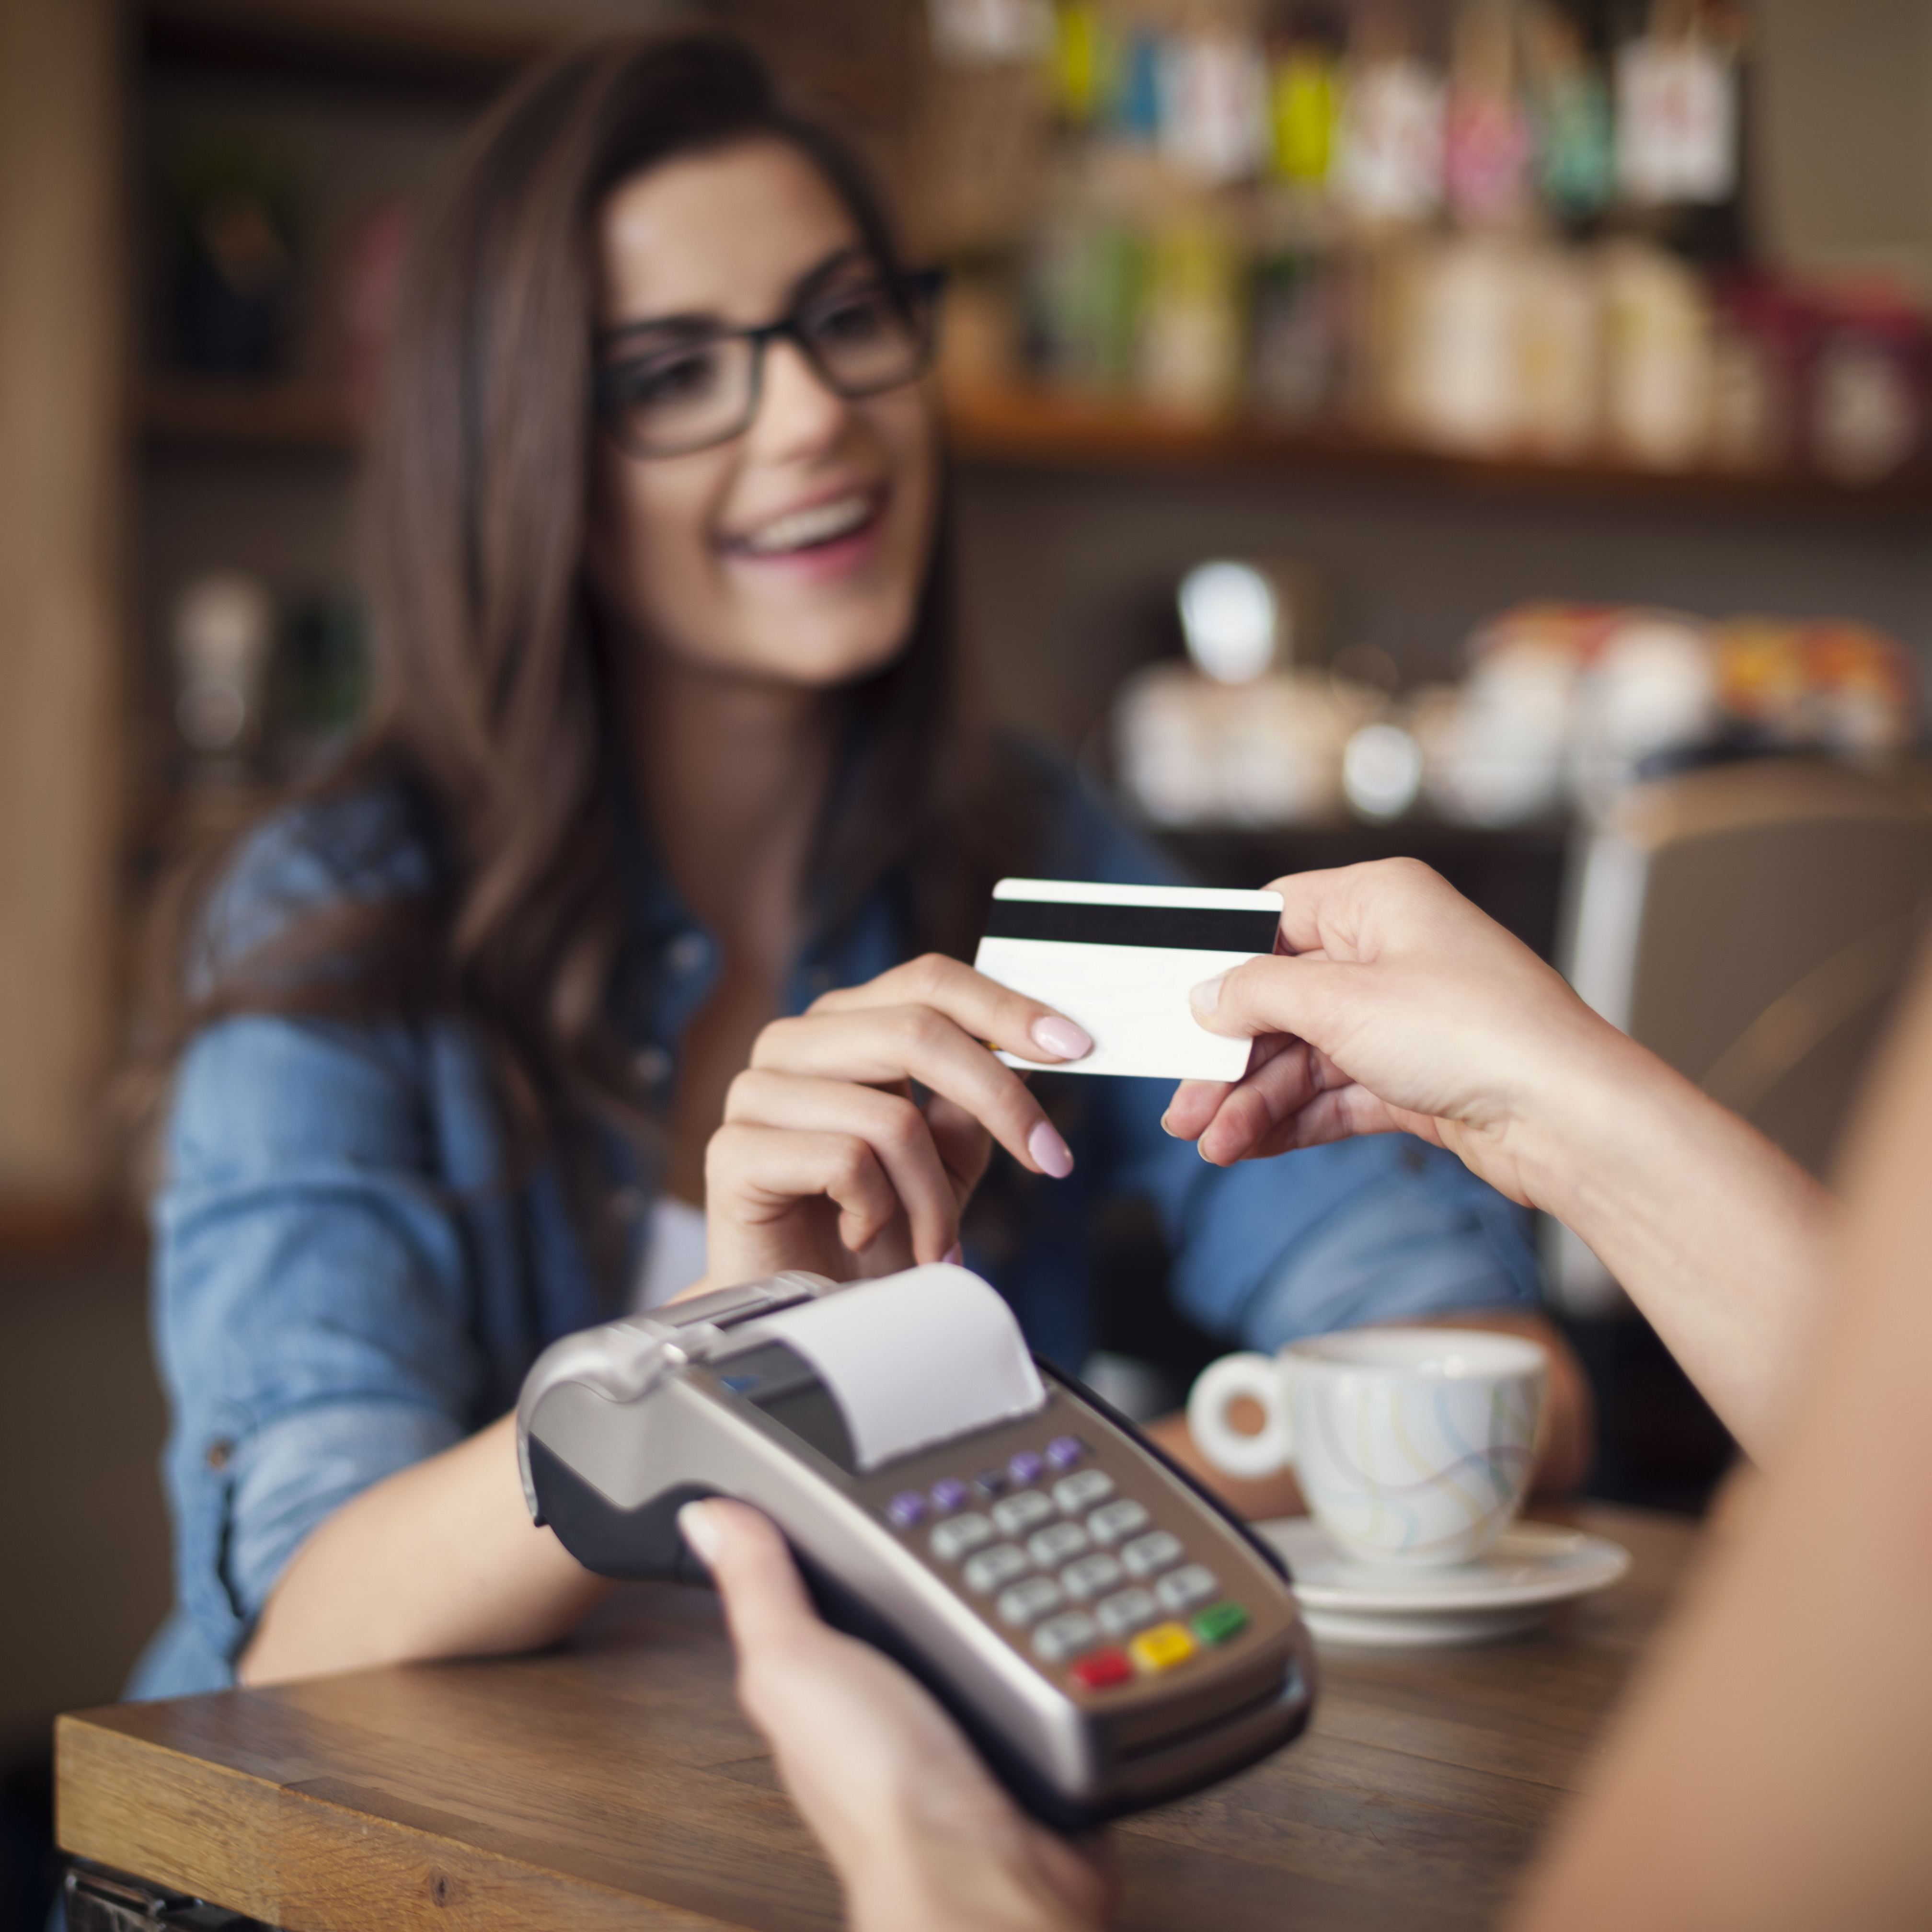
x=825 y=1155
x=1395 y=1006
x=913 y=1824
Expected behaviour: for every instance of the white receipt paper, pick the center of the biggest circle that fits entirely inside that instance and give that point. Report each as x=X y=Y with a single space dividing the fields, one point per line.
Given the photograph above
x=1119 y=961
x=915 y=1359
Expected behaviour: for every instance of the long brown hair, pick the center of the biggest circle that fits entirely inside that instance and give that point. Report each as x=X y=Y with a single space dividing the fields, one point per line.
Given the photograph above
x=489 y=733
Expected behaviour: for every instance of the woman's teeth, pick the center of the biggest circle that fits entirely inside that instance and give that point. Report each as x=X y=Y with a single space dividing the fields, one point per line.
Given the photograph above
x=804 y=528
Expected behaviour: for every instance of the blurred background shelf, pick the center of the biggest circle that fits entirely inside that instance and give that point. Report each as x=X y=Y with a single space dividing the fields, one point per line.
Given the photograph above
x=1040 y=428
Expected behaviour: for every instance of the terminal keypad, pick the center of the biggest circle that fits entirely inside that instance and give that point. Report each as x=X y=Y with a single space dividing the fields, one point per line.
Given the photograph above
x=1083 y=1575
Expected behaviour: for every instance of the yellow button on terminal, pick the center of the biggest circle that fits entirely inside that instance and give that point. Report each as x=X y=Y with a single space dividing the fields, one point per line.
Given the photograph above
x=1161 y=1648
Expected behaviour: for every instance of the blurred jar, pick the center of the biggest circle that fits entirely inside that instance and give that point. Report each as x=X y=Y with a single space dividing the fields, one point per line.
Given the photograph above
x=1388 y=166
x=223 y=633
x=1495 y=751
x=1866 y=412
x=1559 y=352
x=1658 y=358
x=1652 y=691
x=1455 y=380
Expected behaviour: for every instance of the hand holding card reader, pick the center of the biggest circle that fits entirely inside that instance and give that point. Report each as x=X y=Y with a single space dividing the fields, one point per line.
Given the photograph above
x=1109 y=1636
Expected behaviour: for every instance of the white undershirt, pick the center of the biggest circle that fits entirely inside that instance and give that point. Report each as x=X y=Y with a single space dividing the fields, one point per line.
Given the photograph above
x=673 y=1252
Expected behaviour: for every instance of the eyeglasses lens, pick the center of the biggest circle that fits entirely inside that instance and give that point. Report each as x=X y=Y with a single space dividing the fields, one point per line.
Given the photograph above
x=682 y=398
x=866 y=340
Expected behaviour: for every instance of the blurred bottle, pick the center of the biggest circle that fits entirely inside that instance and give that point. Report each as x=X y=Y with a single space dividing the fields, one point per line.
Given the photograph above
x=235 y=203
x=1388 y=170
x=1486 y=140
x=1191 y=323
x=1305 y=90
x=1574 y=130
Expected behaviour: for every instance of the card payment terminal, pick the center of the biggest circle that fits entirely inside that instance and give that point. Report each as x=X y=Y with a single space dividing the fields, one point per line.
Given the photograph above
x=1108 y=1634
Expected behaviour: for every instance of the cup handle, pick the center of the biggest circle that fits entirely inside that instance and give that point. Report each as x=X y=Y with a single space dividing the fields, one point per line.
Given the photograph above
x=1234 y=1454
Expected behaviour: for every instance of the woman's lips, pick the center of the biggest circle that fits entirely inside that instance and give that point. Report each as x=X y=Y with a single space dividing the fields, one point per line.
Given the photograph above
x=821 y=541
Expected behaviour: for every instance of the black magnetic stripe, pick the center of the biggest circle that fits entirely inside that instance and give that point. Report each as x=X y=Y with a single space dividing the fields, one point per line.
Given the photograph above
x=1196 y=929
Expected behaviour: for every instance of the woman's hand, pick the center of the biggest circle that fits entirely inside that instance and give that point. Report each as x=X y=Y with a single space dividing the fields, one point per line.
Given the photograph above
x=915 y=1826
x=1395 y=1007
x=826 y=1156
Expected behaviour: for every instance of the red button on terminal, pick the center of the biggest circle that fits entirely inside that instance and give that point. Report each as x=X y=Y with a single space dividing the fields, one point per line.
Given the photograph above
x=1102 y=1668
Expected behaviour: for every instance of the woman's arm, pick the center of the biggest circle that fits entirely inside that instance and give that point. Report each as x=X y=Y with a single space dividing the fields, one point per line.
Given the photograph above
x=1399 y=1006
x=1772 y=1771
x=439 y=1560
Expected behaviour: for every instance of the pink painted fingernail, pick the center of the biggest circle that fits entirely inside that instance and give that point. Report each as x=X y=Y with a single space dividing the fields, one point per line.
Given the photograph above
x=956 y=1254
x=1061 y=1038
x=1052 y=1153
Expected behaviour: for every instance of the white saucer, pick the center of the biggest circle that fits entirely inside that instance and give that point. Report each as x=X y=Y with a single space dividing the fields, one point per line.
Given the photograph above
x=1531 y=1566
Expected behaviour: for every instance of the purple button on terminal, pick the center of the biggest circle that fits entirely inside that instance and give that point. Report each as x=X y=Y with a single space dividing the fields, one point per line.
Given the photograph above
x=948 y=1493
x=1064 y=1451
x=906 y=1508
x=1024 y=1467
x=990 y=1483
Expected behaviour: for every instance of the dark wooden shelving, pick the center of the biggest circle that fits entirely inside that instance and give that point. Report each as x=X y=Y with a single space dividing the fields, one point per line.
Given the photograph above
x=363 y=49
x=1040 y=429
x=288 y=415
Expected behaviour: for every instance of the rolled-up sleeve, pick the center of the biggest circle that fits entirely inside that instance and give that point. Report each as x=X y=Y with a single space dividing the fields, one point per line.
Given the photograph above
x=314 y=1298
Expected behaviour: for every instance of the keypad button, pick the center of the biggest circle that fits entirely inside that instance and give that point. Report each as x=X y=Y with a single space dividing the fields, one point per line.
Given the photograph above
x=948 y=1494
x=1220 y=1622
x=1148 y=1556
x=1064 y=1451
x=1083 y=1490
x=1021 y=1602
x=1125 y=1612
x=989 y=1484
x=952 y=1540
x=1065 y=1636
x=1104 y=1668
x=1055 y=1544
x=1016 y=1515
x=1161 y=1648
x=1000 y=1565
x=906 y=1509
x=1090 y=1576
x=1121 y=1517
x=1025 y=1466
x=1181 y=1589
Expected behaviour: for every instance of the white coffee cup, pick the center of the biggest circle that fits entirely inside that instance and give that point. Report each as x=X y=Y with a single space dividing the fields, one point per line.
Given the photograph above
x=1412 y=1446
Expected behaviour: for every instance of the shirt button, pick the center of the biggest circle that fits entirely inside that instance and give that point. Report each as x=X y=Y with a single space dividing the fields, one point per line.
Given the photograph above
x=653 y=1066
x=688 y=952
x=218 y=1453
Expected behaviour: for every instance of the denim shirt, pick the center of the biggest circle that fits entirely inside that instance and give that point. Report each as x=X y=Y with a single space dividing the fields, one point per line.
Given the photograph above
x=340 y=1289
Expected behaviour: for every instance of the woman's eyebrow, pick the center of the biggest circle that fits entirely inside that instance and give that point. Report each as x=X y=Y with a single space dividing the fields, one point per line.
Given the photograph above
x=706 y=322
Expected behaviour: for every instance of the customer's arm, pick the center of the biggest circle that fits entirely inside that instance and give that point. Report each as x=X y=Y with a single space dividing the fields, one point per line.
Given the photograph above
x=1772 y=1770
x=1399 y=1006
x=316 y=1316
x=440 y=1559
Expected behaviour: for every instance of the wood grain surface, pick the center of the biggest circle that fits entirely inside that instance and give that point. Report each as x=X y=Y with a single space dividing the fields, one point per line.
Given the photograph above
x=614 y=1784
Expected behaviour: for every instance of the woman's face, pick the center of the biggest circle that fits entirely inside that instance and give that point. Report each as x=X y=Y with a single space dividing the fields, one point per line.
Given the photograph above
x=794 y=551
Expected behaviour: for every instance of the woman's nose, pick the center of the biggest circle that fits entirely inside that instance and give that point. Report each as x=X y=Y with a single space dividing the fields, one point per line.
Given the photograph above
x=798 y=414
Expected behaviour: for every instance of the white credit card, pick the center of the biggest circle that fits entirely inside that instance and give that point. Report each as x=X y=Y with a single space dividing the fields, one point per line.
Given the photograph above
x=1119 y=960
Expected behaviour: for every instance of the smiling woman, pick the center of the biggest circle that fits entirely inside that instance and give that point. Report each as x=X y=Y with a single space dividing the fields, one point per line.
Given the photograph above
x=622 y=951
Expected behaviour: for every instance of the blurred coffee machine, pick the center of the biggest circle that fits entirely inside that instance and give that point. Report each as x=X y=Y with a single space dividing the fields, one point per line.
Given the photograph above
x=1750 y=923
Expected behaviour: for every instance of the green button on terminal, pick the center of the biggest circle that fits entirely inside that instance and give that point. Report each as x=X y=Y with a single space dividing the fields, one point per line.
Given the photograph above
x=1219 y=1621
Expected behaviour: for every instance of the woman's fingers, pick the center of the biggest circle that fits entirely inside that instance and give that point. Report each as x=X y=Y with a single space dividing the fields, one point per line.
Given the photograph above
x=880 y=1045
x=979 y=1007
x=755 y=1174
x=898 y=1136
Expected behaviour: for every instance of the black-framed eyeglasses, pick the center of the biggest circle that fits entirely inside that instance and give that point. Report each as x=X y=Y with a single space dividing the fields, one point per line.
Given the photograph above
x=703 y=387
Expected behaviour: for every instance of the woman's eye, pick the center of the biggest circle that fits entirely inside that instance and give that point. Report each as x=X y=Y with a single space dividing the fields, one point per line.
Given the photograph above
x=862 y=317
x=667 y=381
